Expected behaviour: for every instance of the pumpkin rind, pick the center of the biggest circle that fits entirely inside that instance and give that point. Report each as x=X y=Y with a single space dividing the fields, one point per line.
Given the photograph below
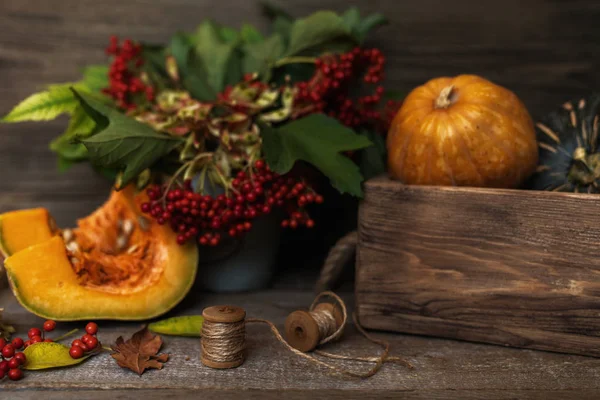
x=50 y=279
x=569 y=148
x=480 y=134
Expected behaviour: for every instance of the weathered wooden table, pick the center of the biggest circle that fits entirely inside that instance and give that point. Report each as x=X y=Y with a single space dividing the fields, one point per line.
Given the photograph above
x=546 y=51
x=443 y=369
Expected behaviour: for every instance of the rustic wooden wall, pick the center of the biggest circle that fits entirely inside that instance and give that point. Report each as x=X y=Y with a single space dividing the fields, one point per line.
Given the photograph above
x=545 y=50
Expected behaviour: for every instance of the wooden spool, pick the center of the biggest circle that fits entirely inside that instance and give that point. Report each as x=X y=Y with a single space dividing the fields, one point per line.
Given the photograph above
x=302 y=331
x=223 y=315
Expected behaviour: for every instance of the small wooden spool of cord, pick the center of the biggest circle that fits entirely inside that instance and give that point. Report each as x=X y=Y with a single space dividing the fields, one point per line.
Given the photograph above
x=223 y=336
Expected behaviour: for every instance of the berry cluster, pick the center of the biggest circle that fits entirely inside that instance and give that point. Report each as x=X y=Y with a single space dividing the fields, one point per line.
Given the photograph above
x=87 y=343
x=125 y=86
x=210 y=219
x=12 y=360
x=328 y=91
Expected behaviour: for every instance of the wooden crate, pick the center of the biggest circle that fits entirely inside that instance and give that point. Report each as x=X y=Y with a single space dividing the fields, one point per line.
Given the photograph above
x=511 y=267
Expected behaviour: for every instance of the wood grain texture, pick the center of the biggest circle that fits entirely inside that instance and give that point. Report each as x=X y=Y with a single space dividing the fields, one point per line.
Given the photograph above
x=519 y=268
x=544 y=50
x=444 y=369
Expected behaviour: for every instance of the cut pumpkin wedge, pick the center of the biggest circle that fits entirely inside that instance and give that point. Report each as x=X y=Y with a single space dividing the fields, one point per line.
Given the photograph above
x=115 y=265
x=23 y=228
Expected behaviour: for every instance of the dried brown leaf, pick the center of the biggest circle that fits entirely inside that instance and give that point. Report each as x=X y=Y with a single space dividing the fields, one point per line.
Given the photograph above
x=140 y=352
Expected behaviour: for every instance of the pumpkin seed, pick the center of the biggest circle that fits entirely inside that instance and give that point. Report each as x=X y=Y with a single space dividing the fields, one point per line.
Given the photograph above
x=122 y=242
x=127 y=227
x=67 y=235
x=131 y=249
x=73 y=247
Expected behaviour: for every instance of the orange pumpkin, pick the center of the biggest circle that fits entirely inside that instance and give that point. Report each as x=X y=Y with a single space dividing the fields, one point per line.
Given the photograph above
x=463 y=131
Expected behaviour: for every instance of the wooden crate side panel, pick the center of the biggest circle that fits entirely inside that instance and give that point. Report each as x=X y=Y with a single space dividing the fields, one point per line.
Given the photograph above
x=478 y=264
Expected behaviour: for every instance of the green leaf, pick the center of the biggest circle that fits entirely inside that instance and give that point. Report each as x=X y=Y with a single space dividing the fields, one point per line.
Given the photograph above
x=351 y=18
x=261 y=56
x=229 y=35
x=273 y=11
x=318 y=140
x=365 y=26
x=250 y=34
x=80 y=126
x=124 y=143
x=155 y=66
x=214 y=53
x=360 y=28
x=44 y=106
x=191 y=68
x=283 y=27
x=234 y=71
x=373 y=158
x=46 y=355
x=316 y=30
x=179 y=326
x=62 y=164
x=95 y=77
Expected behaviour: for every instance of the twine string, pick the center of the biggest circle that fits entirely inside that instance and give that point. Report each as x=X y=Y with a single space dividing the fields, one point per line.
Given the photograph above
x=225 y=342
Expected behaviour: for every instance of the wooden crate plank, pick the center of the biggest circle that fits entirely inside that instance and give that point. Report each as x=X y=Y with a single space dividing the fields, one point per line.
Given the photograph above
x=503 y=266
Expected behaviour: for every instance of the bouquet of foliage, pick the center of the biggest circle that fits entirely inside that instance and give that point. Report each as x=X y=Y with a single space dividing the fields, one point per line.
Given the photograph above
x=214 y=123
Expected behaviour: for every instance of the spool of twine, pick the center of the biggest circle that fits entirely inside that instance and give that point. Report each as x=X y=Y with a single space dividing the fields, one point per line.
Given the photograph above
x=224 y=336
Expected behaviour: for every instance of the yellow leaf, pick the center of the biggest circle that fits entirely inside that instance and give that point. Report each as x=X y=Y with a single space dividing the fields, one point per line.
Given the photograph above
x=49 y=355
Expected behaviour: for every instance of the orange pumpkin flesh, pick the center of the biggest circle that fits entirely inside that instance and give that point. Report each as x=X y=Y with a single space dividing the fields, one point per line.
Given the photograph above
x=116 y=264
x=463 y=131
x=23 y=228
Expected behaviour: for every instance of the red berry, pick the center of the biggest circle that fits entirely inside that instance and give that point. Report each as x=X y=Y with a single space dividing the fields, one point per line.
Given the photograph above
x=48 y=340
x=293 y=224
x=2 y=343
x=76 y=352
x=27 y=343
x=259 y=164
x=34 y=332
x=36 y=339
x=49 y=325
x=8 y=351
x=319 y=199
x=4 y=366
x=21 y=357
x=90 y=341
x=15 y=374
x=91 y=328
x=2 y=373
x=13 y=363
x=17 y=343
x=310 y=223
x=79 y=343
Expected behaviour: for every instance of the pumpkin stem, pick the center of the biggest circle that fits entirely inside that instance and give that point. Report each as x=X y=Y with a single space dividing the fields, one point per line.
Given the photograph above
x=446 y=98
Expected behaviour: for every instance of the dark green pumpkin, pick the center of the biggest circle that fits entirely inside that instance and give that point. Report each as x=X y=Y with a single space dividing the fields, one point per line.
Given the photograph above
x=569 y=148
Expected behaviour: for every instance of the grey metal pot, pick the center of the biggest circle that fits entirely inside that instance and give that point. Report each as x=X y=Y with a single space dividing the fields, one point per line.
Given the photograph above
x=244 y=264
